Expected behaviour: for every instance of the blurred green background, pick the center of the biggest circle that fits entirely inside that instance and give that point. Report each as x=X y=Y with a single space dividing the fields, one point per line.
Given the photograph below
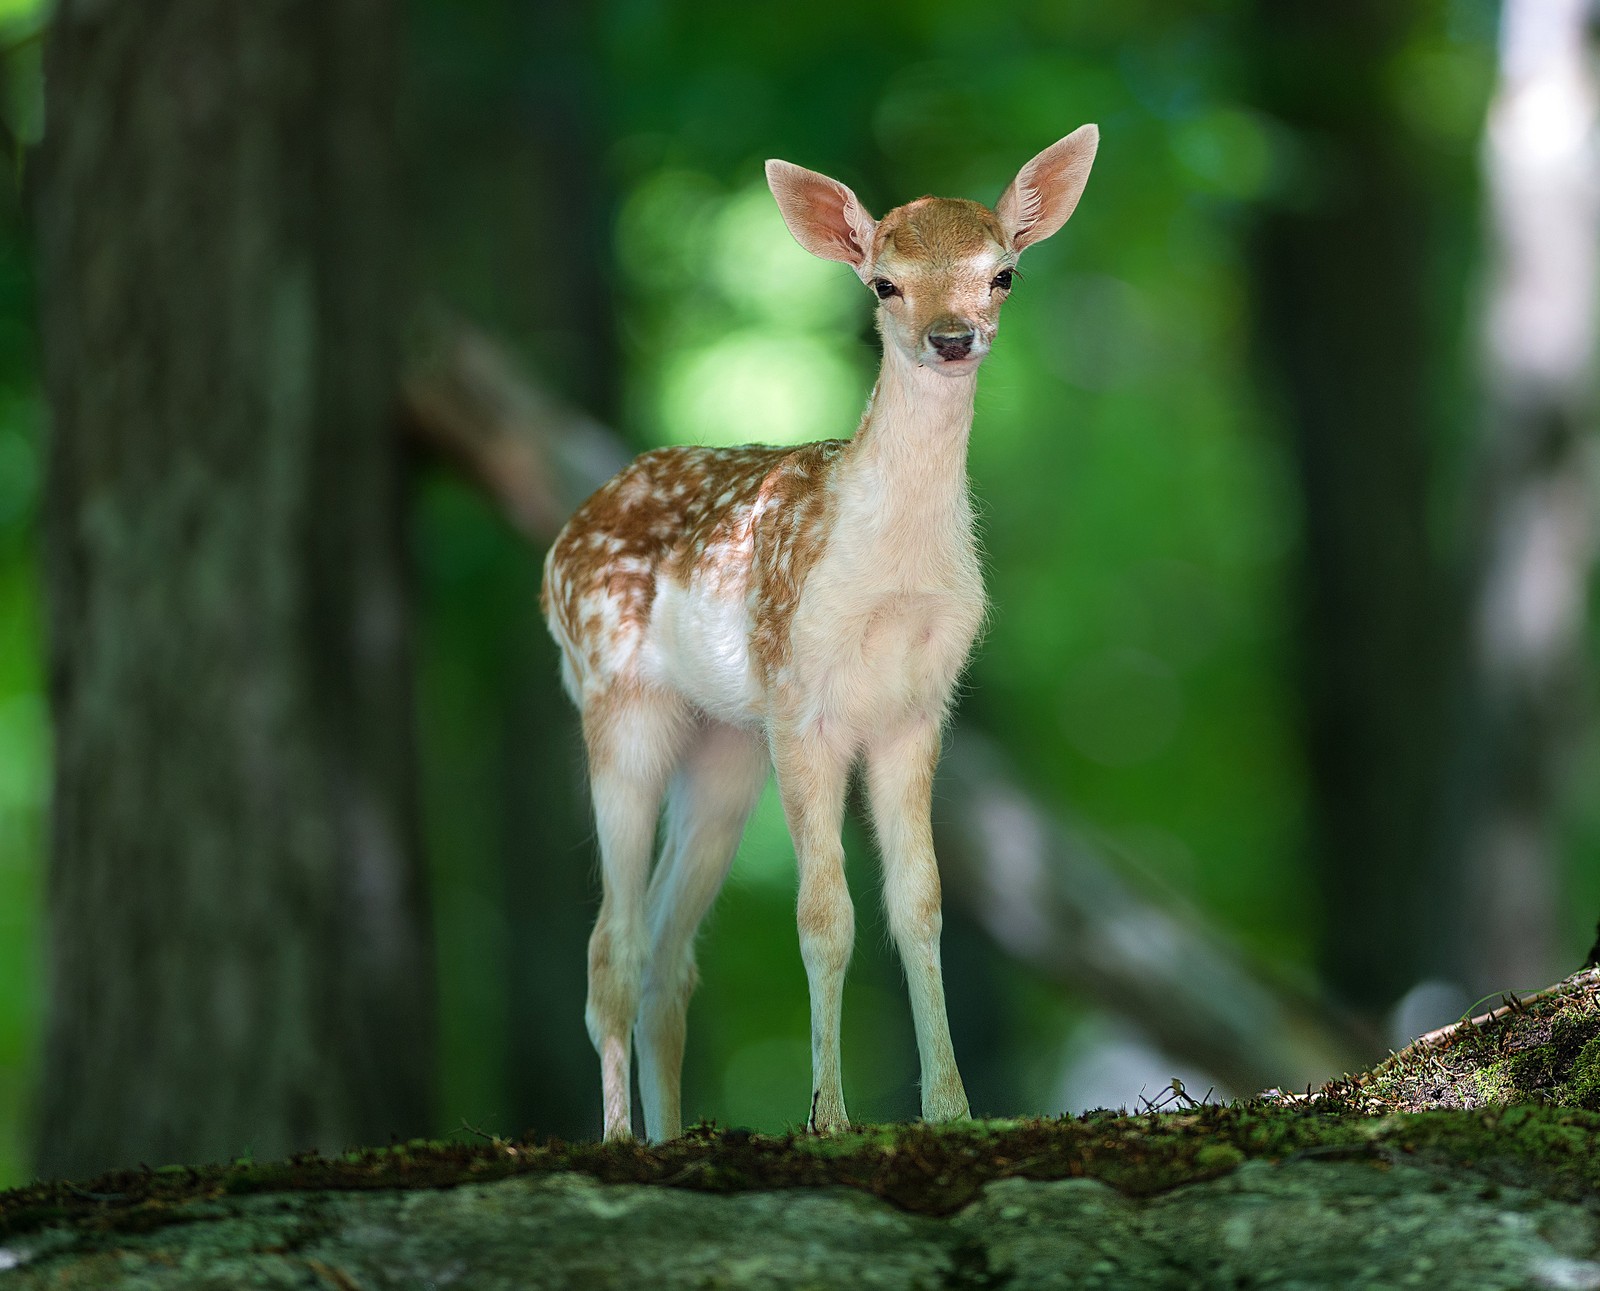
x=584 y=182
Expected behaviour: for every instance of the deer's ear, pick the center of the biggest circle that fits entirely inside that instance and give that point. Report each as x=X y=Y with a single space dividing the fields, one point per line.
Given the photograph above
x=824 y=215
x=1046 y=190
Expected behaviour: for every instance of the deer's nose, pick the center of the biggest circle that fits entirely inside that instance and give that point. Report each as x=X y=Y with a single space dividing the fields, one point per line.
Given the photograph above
x=952 y=338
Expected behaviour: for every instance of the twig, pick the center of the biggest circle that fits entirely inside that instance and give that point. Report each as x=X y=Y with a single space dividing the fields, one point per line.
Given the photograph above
x=1514 y=1004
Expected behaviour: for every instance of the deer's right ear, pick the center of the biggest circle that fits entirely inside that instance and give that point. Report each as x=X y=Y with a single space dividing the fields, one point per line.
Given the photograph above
x=824 y=216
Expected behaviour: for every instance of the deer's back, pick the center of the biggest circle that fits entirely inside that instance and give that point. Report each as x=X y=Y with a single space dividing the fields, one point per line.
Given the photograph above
x=685 y=569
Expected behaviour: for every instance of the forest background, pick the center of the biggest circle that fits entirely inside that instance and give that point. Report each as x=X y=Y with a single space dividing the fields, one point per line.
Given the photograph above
x=1287 y=513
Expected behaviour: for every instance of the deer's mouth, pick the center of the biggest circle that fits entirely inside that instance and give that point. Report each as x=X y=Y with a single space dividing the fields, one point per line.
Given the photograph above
x=954 y=363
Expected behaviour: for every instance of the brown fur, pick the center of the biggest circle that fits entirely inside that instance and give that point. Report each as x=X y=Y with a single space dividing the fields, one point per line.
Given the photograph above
x=690 y=513
x=938 y=229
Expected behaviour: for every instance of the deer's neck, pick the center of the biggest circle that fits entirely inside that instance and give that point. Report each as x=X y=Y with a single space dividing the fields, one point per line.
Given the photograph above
x=910 y=452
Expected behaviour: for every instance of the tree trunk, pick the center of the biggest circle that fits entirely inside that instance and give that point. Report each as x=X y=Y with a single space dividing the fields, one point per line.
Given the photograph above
x=1528 y=685
x=1342 y=283
x=510 y=198
x=238 y=958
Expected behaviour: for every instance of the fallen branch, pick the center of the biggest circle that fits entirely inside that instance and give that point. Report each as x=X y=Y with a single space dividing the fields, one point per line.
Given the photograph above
x=1543 y=1047
x=1586 y=979
x=1051 y=899
x=463 y=398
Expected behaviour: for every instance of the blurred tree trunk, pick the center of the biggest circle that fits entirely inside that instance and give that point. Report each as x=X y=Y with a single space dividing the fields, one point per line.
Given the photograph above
x=1343 y=281
x=1527 y=692
x=513 y=206
x=238 y=954
x=550 y=882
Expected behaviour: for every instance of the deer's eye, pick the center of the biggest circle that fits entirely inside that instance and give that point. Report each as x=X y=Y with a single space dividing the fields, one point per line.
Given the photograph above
x=884 y=288
x=1002 y=280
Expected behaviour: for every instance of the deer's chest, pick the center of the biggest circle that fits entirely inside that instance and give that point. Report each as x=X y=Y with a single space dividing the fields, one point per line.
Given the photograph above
x=881 y=633
x=867 y=625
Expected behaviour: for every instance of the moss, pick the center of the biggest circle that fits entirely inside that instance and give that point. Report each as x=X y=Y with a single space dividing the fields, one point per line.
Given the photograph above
x=1528 y=1050
x=1515 y=1096
x=932 y=1170
x=1585 y=1079
x=1218 y=1156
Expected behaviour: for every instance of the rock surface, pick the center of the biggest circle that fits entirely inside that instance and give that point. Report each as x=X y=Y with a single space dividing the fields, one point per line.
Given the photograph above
x=1471 y=1160
x=1301 y=1223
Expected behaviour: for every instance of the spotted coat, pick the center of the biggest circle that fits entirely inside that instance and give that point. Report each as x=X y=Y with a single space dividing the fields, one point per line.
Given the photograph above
x=736 y=525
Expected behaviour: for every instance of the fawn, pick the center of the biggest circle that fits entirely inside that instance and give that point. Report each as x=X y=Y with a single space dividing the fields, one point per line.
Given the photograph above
x=722 y=609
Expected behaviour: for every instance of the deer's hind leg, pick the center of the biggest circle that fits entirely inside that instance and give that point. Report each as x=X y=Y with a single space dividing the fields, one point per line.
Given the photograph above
x=634 y=736
x=709 y=802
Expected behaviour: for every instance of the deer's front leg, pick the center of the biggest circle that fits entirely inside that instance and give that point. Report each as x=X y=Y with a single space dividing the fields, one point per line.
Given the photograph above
x=900 y=769
x=811 y=781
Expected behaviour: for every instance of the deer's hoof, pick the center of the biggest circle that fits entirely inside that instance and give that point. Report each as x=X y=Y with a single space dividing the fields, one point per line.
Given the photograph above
x=826 y=1119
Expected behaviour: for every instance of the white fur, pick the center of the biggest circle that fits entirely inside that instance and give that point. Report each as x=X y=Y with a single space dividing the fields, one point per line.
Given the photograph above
x=699 y=646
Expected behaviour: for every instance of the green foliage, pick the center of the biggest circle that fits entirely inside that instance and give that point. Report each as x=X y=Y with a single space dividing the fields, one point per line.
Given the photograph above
x=1139 y=522
x=24 y=740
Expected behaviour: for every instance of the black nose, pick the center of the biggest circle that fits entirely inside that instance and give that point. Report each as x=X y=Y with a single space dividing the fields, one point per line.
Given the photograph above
x=953 y=342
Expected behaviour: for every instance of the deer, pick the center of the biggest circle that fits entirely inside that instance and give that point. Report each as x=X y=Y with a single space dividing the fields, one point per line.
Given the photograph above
x=722 y=613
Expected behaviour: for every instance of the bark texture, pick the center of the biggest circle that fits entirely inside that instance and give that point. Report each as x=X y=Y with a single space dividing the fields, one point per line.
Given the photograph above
x=1528 y=693
x=237 y=954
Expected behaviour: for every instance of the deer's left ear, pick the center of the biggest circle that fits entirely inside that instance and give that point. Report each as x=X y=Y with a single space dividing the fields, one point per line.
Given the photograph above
x=1046 y=190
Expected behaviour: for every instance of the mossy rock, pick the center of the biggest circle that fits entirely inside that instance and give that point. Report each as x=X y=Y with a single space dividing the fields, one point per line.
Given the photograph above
x=1543 y=1049
x=1470 y=1160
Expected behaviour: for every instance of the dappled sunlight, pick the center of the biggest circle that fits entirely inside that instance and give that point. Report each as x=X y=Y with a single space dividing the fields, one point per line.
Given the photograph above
x=19 y=12
x=741 y=336
x=759 y=386
x=759 y=268
x=1545 y=197
x=663 y=229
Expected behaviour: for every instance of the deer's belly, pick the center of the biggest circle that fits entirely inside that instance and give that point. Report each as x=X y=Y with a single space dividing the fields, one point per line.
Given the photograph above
x=700 y=647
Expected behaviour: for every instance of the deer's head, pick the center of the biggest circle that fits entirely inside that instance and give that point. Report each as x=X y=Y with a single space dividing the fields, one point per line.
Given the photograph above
x=940 y=267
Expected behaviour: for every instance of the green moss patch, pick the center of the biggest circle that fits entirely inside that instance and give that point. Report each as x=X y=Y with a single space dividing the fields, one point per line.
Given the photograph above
x=926 y=1169
x=1515 y=1095
x=1544 y=1049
